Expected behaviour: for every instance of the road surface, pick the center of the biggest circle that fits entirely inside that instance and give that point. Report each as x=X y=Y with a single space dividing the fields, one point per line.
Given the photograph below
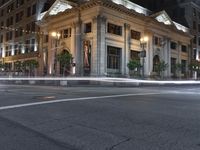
x=99 y=118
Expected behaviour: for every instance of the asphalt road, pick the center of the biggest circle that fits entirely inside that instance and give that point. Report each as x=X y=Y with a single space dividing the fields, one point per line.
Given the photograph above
x=140 y=118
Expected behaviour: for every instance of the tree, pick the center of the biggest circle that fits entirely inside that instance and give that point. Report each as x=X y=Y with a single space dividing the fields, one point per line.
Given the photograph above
x=18 y=66
x=195 y=66
x=177 y=69
x=134 y=66
x=30 y=66
x=161 y=67
x=65 y=59
x=2 y=66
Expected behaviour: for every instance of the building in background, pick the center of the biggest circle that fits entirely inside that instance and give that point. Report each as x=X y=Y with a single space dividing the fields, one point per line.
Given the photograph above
x=185 y=12
x=19 y=33
x=104 y=35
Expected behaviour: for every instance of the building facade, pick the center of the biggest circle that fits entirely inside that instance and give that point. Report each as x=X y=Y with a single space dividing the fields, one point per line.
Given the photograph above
x=185 y=12
x=104 y=35
x=19 y=34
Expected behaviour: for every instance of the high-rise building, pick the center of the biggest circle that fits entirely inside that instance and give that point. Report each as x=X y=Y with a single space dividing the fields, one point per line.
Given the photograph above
x=19 y=33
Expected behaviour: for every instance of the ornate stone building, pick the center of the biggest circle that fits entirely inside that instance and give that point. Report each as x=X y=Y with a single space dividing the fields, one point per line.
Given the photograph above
x=104 y=35
x=185 y=12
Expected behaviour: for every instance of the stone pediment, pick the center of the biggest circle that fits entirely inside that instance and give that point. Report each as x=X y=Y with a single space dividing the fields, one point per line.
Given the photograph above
x=163 y=17
x=57 y=7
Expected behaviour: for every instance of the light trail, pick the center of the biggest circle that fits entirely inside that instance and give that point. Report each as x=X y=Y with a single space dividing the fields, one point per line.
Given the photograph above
x=101 y=79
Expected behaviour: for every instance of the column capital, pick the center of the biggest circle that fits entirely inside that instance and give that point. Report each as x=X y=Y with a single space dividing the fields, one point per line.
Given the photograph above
x=76 y=23
x=99 y=18
x=179 y=43
x=126 y=25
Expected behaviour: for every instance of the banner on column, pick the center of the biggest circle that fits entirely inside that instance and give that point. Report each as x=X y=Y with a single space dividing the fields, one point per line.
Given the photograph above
x=87 y=57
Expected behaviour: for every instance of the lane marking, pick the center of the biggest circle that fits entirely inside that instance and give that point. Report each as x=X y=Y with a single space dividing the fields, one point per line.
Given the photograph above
x=74 y=99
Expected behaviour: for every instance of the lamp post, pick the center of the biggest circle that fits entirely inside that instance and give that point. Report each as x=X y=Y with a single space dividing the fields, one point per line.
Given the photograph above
x=143 y=44
x=56 y=36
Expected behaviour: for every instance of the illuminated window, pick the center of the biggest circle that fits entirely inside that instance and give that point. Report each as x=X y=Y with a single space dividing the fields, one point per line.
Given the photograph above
x=88 y=27
x=2 y=13
x=173 y=45
x=113 y=57
x=66 y=33
x=173 y=65
x=19 y=16
x=10 y=8
x=183 y=48
x=114 y=29
x=27 y=49
x=134 y=55
x=157 y=41
x=34 y=9
x=2 y=24
x=183 y=66
x=32 y=45
x=28 y=12
x=32 y=26
x=1 y=39
x=194 y=25
x=1 y=52
x=194 y=12
x=135 y=35
x=46 y=38
x=20 y=30
x=19 y=3
x=198 y=27
x=199 y=41
x=16 y=49
x=194 y=53
x=195 y=39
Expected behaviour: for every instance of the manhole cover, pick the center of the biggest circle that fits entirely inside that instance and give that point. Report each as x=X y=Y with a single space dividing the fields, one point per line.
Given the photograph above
x=45 y=97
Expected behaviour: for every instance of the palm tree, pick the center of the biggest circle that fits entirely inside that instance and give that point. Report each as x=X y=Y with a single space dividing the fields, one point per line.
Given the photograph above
x=65 y=59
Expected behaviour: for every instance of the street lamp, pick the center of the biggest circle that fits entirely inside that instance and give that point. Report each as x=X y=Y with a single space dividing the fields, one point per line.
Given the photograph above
x=56 y=36
x=143 y=44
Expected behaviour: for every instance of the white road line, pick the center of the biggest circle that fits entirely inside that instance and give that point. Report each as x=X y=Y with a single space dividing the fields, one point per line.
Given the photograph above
x=74 y=99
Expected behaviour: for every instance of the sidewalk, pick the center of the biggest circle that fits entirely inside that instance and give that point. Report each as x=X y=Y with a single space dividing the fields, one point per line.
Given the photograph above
x=91 y=81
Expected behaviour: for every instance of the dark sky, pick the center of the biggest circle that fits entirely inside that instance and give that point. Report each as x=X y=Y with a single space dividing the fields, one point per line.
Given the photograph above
x=155 y=4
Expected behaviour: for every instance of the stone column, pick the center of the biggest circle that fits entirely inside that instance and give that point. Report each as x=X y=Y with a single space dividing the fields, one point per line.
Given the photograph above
x=73 y=46
x=150 y=54
x=168 y=41
x=99 y=58
x=78 y=50
x=179 y=57
x=148 y=62
x=166 y=56
x=179 y=52
x=126 y=52
x=51 y=56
